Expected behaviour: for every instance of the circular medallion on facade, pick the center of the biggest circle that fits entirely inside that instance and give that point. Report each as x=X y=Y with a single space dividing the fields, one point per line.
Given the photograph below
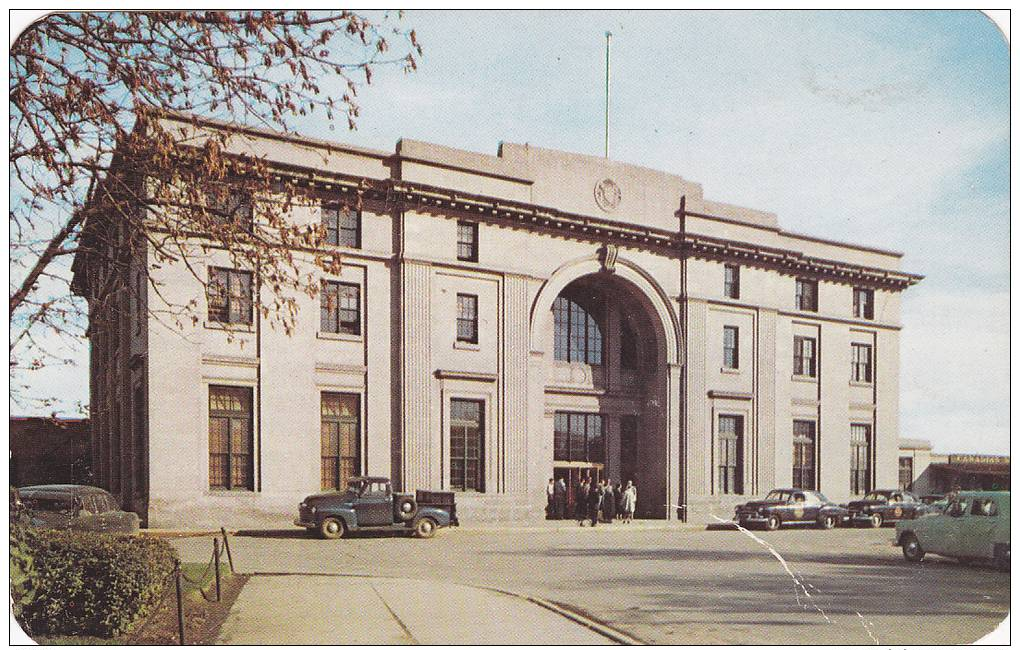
x=607 y=194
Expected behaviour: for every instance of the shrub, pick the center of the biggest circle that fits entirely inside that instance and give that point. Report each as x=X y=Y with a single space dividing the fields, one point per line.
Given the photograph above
x=92 y=583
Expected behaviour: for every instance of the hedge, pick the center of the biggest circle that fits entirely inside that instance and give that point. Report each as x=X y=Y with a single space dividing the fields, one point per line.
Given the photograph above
x=92 y=583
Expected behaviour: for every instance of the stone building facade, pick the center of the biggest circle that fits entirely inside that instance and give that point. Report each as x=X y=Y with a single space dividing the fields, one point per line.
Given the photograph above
x=499 y=320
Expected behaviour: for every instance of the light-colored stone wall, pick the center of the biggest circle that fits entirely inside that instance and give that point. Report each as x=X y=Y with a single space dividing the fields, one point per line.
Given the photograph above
x=406 y=365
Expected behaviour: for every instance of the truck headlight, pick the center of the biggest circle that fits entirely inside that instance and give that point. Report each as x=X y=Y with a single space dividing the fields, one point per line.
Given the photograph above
x=312 y=510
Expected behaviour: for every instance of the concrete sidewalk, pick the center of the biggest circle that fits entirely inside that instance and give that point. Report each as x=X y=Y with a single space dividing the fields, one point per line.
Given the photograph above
x=326 y=609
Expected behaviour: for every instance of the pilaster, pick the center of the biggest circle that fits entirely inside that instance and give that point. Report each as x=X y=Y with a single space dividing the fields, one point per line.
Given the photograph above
x=418 y=457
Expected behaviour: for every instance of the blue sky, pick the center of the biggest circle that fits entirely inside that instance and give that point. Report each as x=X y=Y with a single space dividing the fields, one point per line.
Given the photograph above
x=890 y=129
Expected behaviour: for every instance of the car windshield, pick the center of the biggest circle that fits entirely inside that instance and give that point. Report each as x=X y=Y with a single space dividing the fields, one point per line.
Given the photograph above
x=354 y=488
x=877 y=496
x=778 y=495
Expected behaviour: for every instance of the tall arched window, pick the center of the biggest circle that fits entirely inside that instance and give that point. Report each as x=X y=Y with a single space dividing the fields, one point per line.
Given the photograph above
x=578 y=334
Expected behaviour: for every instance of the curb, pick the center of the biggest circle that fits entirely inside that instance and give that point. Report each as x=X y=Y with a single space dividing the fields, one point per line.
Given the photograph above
x=172 y=533
x=617 y=636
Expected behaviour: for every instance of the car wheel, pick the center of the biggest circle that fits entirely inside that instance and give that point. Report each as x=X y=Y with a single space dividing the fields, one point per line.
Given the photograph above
x=425 y=528
x=912 y=549
x=406 y=507
x=773 y=523
x=828 y=522
x=332 y=528
x=876 y=520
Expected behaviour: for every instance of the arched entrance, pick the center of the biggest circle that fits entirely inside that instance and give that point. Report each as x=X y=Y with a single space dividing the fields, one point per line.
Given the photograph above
x=609 y=345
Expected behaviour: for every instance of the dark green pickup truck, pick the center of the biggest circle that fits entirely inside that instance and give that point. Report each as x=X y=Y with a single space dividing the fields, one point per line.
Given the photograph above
x=369 y=502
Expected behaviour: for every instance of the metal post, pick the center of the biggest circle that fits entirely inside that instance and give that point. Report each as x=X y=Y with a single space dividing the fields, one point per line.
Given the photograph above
x=216 y=562
x=180 y=601
x=609 y=39
x=226 y=546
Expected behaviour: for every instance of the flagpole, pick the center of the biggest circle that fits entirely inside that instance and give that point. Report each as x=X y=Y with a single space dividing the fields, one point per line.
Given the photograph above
x=609 y=38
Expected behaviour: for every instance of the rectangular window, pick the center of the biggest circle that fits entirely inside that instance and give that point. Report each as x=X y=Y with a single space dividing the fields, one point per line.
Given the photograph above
x=341 y=437
x=860 y=458
x=577 y=333
x=467 y=445
x=730 y=454
x=228 y=295
x=578 y=437
x=343 y=226
x=807 y=295
x=864 y=303
x=467 y=318
x=731 y=283
x=731 y=347
x=860 y=359
x=226 y=206
x=804 y=356
x=906 y=472
x=467 y=241
x=804 y=454
x=230 y=438
x=340 y=309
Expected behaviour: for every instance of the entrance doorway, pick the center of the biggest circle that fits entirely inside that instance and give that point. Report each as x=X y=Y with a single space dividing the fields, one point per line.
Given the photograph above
x=572 y=474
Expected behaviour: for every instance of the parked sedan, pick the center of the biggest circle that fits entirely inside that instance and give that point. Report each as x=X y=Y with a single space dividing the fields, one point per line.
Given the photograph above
x=75 y=507
x=884 y=506
x=790 y=506
x=973 y=527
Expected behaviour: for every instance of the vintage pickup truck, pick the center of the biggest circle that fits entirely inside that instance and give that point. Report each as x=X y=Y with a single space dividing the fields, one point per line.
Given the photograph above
x=369 y=502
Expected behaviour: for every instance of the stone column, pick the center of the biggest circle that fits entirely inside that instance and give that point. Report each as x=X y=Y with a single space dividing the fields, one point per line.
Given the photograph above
x=698 y=448
x=418 y=457
x=674 y=432
x=514 y=397
x=765 y=400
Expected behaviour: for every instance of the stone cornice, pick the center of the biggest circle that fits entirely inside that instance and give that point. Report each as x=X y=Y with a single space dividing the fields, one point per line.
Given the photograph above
x=426 y=198
x=408 y=195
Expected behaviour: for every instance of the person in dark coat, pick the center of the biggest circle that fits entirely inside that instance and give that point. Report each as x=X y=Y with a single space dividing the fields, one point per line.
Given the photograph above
x=581 y=501
x=595 y=503
x=560 y=498
x=609 y=503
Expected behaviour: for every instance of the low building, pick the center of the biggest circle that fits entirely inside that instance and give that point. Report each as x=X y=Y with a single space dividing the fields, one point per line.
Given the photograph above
x=925 y=472
x=49 y=450
x=500 y=320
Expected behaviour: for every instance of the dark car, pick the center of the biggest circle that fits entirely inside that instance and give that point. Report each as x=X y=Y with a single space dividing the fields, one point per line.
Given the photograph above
x=790 y=506
x=369 y=502
x=74 y=507
x=885 y=506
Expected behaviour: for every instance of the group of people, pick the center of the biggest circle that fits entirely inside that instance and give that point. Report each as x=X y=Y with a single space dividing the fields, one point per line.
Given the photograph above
x=594 y=501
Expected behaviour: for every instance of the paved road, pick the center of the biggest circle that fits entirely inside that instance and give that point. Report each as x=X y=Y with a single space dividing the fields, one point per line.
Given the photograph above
x=849 y=586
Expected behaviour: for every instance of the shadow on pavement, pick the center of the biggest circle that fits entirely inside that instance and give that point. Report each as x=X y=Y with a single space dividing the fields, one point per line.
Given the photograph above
x=297 y=533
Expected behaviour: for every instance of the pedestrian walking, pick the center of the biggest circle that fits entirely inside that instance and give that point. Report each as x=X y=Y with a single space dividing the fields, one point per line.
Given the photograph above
x=609 y=503
x=560 y=498
x=595 y=504
x=629 y=502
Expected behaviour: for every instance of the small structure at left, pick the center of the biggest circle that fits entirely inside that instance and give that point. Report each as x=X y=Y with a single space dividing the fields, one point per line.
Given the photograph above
x=47 y=450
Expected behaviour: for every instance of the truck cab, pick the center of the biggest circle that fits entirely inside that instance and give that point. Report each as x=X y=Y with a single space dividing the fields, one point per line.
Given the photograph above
x=369 y=502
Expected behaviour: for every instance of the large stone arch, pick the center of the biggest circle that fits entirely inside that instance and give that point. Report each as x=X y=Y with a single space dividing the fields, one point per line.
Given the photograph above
x=624 y=269
x=666 y=448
